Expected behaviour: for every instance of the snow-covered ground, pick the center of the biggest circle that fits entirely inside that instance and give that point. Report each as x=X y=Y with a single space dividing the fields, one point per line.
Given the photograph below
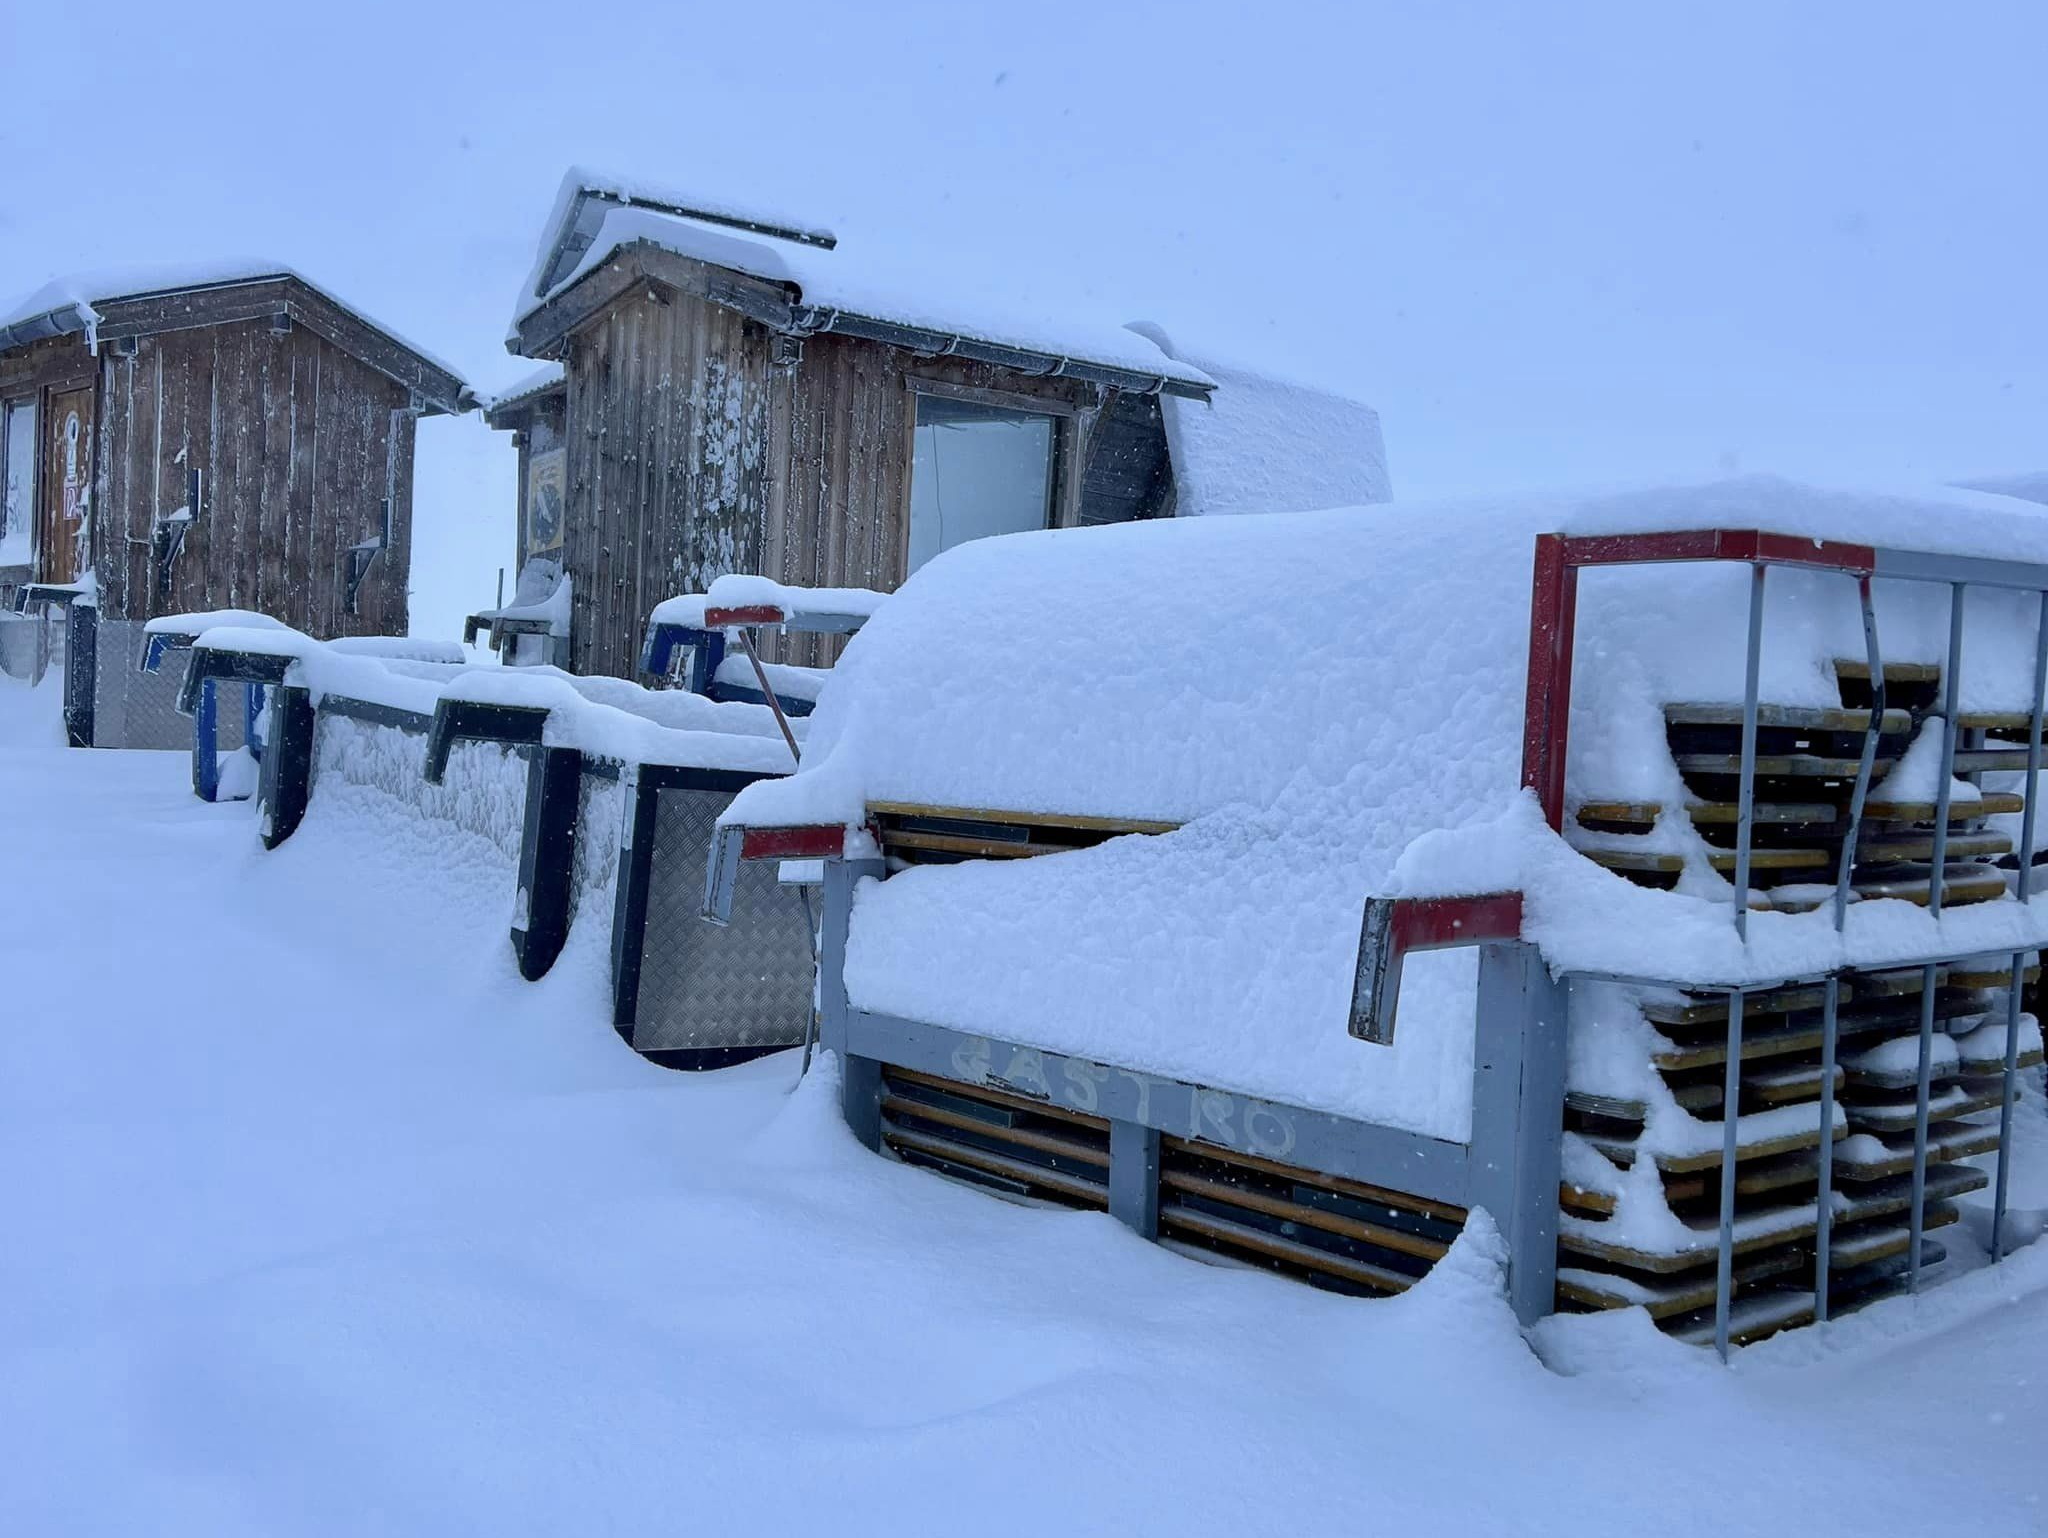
x=316 y=1220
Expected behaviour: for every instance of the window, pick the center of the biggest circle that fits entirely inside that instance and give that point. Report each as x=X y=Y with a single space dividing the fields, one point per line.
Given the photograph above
x=17 y=482
x=977 y=470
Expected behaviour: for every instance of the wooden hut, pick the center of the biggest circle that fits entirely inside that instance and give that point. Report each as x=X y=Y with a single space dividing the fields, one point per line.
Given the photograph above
x=234 y=438
x=739 y=394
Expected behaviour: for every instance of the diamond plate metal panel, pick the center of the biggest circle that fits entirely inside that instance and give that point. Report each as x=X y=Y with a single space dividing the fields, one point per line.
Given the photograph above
x=701 y=986
x=134 y=709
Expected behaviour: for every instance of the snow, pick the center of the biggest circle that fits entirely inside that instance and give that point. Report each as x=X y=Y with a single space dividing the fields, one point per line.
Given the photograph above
x=203 y=620
x=1916 y=778
x=544 y=592
x=1264 y=444
x=739 y=590
x=81 y=292
x=364 y=1235
x=978 y=305
x=654 y=731
x=602 y=717
x=789 y=681
x=2031 y=486
x=545 y=380
x=1309 y=694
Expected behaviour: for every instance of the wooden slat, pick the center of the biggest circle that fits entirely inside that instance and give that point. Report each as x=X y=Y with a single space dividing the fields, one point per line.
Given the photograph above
x=1775 y=766
x=1303 y=1215
x=1024 y=1137
x=1175 y=1219
x=1794 y=717
x=1992 y=802
x=1026 y=819
x=1016 y=1170
x=997 y=1097
x=1858 y=669
x=1719 y=859
x=1798 y=813
x=1357 y=1190
x=984 y=848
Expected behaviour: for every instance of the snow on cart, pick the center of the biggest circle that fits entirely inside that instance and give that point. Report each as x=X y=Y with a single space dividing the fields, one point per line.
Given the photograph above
x=587 y=795
x=1652 y=870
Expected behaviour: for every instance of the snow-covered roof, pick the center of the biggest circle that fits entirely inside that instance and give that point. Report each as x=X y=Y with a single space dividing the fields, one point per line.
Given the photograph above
x=70 y=302
x=1331 y=705
x=1262 y=443
x=825 y=281
x=545 y=380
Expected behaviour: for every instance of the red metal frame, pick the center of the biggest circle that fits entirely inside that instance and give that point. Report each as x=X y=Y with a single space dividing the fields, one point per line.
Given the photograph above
x=808 y=843
x=746 y=614
x=1434 y=923
x=1554 y=607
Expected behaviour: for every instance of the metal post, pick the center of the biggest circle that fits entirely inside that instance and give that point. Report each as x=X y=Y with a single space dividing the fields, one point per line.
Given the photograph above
x=1518 y=1063
x=768 y=693
x=1930 y=984
x=206 y=744
x=1134 y=1177
x=1867 y=763
x=2002 y=1180
x=252 y=719
x=1746 y=795
x=861 y=1078
x=1951 y=693
x=1824 y=1214
x=1731 y=1138
x=2025 y=884
x=547 y=859
x=287 y=778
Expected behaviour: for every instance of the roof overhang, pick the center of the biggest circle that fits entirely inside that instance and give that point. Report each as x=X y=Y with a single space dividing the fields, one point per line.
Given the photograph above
x=272 y=296
x=540 y=332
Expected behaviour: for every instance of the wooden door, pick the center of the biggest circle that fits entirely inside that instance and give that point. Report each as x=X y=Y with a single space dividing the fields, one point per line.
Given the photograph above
x=67 y=484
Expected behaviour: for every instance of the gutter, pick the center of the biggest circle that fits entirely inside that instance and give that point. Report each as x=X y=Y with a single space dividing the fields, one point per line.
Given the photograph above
x=813 y=320
x=61 y=321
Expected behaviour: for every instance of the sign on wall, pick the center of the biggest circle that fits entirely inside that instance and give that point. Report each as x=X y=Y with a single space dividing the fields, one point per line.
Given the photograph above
x=545 y=501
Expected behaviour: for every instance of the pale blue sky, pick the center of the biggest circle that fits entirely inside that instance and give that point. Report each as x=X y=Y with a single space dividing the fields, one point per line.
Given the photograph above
x=1553 y=244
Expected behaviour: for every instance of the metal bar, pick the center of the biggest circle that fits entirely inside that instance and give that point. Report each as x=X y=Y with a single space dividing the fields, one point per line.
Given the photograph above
x=1134 y=1177
x=1518 y=1062
x=2002 y=1180
x=2033 y=752
x=1866 y=763
x=1675 y=545
x=1978 y=571
x=206 y=743
x=1824 y=1218
x=1546 y=712
x=1731 y=1137
x=1951 y=693
x=2024 y=886
x=252 y=719
x=1929 y=981
x=1746 y=794
x=810 y=1021
x=768 y=694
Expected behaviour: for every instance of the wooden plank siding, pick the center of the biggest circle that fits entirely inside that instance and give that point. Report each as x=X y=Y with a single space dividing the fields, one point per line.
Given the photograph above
x=295 y=439
x=691 y=455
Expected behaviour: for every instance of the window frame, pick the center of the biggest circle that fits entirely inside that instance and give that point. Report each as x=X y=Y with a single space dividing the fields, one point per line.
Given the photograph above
x=1063 y=505
x=31 y=402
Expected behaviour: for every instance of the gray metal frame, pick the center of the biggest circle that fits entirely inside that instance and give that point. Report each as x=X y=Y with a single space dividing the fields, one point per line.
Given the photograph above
x=1510 y=1167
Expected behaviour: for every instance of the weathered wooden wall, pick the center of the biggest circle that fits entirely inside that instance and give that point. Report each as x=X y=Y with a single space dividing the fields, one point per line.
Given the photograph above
x=298 y=442
x=668 y=419
x=691 y=455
